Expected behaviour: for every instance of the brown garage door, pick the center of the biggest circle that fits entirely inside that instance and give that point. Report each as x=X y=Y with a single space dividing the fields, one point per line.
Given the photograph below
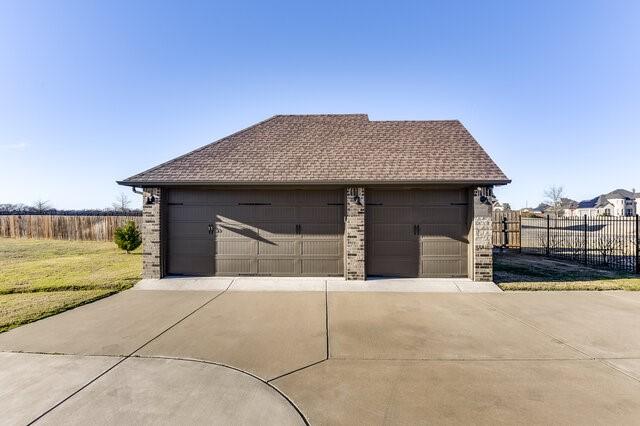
x=255 y=232
x=417 y=233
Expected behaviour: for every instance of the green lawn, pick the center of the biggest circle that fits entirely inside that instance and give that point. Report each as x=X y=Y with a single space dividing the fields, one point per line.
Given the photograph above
x=43 y=277
x=515 y=271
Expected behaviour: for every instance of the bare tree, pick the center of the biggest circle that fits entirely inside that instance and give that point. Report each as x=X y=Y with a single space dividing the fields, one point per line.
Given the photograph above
x=553 y=197
x=41 y=206
x=122 y=203
x=551 y=245
x=7 y=207
x=608 y=246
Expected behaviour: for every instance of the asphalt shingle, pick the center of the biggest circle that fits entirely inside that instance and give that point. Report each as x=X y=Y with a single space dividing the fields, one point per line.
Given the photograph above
x=317 y=149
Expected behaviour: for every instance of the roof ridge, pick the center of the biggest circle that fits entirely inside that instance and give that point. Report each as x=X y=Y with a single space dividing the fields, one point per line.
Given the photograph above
x=452 y=120
x=200 y=148
x=327 y=118
x=324 y=115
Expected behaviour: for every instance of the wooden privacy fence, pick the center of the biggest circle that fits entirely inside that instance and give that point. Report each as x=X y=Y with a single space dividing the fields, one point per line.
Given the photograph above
x=58 y=227
x=507 y=229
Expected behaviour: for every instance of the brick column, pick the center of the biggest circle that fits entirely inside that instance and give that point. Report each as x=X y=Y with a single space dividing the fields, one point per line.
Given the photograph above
x=354 y=234
x=151 y=226
x=482 y=229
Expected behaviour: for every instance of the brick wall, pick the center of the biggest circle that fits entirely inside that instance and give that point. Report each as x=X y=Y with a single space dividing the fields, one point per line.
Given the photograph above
x=151 y=239
x=354 y=246
x=482 y=232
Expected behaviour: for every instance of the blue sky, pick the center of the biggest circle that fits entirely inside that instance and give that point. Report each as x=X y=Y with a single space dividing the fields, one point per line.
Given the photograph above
x=91 y=92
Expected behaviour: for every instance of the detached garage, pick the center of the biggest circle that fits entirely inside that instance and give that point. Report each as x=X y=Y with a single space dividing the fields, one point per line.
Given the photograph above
x=324 y=195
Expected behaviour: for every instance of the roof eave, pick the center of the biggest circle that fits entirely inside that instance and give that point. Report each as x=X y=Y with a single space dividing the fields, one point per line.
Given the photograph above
x=496 y=182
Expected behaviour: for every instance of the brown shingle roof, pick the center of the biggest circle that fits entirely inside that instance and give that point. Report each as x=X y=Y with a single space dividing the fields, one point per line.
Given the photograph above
x=316 y=149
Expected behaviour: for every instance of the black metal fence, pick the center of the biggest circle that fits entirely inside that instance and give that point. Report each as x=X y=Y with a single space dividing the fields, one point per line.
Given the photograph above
x=604 y=242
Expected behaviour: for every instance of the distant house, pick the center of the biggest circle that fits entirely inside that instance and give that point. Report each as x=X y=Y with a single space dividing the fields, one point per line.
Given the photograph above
x=537 y=211
x=568 y=206
x=617 y=203
x=541 y=209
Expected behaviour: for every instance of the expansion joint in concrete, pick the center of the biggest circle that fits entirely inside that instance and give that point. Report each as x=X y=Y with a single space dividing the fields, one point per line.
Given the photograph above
x=124 y=358
x=521 y=321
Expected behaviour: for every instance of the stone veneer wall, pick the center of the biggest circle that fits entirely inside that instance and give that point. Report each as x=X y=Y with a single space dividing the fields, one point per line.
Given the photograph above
x=152 y=262
x=354 y=231
x=482 y=243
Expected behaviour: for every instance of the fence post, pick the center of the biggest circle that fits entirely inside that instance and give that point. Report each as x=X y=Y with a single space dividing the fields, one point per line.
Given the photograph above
x=585 y=239
x=548 y=235
x=505 y=230
x=520 y=231
x=637 y=244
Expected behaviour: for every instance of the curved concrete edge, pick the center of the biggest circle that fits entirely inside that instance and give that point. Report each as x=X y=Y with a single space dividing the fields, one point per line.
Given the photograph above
x=146 y=390
x=32 y=383
x=267 y=382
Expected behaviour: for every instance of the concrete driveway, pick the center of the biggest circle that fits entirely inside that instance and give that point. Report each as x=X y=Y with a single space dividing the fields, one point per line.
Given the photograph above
x=328 y=357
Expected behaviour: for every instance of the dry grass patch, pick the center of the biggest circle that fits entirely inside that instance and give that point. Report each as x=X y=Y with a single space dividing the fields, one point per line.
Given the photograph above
x=516 y=271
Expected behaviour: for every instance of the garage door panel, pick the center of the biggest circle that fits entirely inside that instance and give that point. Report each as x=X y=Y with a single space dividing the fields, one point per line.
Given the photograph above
x=396 y=267
x=233 y=214
x=442 y=230
x=320 y=214
x=440 y=215
x=441 y=196
x=324 y=248
x=233 y=266
x=390 y=197
x=392 y=232
x=220 y=218
x=276 y=230
x=193 y=197
x=319 y=198
x=192 y=246
x=393 y=248
x=280 y=248
x=189 y=229
x=443 y=247
x=271 y=213
x=234 y=231
x=238 y=247
x=390 y=214
x=225 y=197
x=181 y=264
x=250 y=197
x=285 y=198
x=184 y=213
x=277 y=266
x=315 y=267
x=444 y=267
x=321 y=231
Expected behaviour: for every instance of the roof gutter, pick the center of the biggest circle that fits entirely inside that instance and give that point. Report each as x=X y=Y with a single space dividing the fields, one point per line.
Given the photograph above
x=328 y=182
